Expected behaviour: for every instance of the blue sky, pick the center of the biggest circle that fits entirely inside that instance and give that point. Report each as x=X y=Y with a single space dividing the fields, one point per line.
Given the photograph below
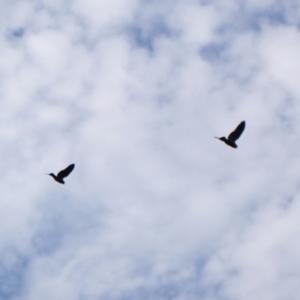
x=133 y=93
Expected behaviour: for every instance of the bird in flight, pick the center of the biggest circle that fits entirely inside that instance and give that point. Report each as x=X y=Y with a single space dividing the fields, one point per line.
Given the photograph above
x=233 y=136
x=62 y=174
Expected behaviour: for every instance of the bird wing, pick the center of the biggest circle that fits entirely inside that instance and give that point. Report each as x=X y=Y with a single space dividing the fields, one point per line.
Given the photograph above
x=64 y=173
x=233 y=136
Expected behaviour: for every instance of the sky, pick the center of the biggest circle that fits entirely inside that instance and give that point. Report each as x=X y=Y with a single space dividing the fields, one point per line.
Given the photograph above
x=133 y=92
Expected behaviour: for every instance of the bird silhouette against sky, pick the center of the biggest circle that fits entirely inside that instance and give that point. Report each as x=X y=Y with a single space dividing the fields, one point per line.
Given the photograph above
x=62 y=174
x=233 y=136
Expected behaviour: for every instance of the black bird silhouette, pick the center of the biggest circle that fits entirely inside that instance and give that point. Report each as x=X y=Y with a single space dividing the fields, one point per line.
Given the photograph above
x=233 y=136
x=62 y=174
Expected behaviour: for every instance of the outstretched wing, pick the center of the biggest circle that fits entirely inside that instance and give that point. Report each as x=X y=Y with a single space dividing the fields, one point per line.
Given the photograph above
x=64 y=173
x=233 y=136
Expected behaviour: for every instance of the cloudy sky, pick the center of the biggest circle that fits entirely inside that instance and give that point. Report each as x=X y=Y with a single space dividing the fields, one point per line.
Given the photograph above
x=133 y=92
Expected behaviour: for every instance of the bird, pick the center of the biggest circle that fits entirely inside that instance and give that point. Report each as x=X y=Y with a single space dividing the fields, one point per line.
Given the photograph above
x=62 y=174
x=233 y=136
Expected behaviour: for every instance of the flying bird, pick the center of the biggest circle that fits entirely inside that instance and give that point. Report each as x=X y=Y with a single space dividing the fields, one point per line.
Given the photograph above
x=62 y=174
x=233 y=136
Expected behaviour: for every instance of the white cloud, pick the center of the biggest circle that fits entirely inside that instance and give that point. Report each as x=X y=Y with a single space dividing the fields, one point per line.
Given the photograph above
x=133 y=93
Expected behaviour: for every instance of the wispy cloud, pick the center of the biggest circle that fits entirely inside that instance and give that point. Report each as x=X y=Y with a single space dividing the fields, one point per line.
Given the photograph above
x=133 y=93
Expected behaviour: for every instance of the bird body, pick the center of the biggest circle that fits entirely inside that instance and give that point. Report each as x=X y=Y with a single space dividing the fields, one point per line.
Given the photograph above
x=228 y=142
x=62 y=174
x=233 y=136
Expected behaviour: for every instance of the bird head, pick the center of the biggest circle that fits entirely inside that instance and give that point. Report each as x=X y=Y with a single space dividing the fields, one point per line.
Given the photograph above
x=223 y=138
